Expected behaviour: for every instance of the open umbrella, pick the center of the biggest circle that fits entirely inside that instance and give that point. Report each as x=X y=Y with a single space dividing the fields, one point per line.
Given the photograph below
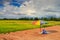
x=40 y=22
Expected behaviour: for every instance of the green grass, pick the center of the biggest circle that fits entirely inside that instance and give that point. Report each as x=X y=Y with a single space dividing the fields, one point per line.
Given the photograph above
x=7 y=26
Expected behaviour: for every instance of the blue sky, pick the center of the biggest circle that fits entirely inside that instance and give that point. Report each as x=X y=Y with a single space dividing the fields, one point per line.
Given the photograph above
x=13 y=2
x=29 y=8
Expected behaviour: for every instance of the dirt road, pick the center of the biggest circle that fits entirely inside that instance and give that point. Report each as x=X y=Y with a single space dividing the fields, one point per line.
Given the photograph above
x=34 y=34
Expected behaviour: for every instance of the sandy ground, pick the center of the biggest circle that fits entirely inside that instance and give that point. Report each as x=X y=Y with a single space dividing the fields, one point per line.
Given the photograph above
x=33 y=34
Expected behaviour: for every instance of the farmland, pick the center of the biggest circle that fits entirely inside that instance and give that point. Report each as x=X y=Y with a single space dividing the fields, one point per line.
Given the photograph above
x=7 y=26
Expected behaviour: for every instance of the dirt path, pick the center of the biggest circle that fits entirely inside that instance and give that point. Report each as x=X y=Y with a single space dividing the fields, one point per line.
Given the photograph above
x=33 y=34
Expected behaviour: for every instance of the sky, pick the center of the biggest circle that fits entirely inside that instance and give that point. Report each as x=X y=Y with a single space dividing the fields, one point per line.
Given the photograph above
x=29 y=8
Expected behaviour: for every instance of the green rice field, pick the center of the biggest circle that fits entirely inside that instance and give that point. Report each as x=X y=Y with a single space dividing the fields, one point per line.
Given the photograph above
x=7 y=26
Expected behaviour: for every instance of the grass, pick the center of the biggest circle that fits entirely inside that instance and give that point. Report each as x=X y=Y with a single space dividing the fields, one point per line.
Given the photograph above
x=7 y=26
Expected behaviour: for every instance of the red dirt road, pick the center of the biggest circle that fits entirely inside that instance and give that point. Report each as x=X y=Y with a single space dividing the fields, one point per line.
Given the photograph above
x=33 y=34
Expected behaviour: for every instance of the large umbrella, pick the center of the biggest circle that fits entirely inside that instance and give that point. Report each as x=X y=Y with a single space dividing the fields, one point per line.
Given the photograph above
x=40 y=23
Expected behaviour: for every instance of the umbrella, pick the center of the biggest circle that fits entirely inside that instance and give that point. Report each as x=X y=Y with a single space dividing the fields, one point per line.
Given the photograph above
x=40 y=22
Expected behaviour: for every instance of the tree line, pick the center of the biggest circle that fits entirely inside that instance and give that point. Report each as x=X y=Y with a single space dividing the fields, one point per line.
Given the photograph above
x=35 y=18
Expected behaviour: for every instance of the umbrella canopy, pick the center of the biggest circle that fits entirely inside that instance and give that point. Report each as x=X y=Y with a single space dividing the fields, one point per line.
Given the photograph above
x=37 y=22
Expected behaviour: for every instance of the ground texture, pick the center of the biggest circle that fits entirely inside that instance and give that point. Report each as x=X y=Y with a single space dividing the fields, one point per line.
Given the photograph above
x=34 y=34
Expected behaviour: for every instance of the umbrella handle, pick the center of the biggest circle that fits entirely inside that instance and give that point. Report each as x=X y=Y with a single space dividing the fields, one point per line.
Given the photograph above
x=40 y=28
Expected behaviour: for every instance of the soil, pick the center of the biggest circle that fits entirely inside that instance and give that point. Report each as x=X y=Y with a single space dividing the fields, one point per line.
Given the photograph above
x=33 y=34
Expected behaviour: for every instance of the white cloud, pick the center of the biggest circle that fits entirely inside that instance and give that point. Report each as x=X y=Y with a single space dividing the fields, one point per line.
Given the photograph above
x=33 y=8
x=27 y=9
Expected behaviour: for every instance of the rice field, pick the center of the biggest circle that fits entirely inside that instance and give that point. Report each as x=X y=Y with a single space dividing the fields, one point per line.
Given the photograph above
x=7 y=26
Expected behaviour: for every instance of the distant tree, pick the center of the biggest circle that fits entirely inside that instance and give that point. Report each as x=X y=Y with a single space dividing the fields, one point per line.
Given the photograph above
x=5 y=18
x=36 y=18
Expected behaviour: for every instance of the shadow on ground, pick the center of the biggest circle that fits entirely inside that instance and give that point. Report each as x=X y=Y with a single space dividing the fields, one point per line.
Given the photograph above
x=52 y=31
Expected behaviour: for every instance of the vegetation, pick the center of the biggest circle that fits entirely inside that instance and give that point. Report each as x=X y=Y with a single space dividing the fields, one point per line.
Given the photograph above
x=7 y=26
x=51 y=18
x=11 y=25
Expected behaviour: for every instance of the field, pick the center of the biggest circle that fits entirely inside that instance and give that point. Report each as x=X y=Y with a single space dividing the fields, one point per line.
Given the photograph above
x=7 y=26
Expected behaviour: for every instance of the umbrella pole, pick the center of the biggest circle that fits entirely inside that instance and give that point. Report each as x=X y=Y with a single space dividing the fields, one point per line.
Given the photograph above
x=40 y=28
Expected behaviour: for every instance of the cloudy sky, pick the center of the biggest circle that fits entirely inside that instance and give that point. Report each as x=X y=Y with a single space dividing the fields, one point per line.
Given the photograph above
x=29 y=8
